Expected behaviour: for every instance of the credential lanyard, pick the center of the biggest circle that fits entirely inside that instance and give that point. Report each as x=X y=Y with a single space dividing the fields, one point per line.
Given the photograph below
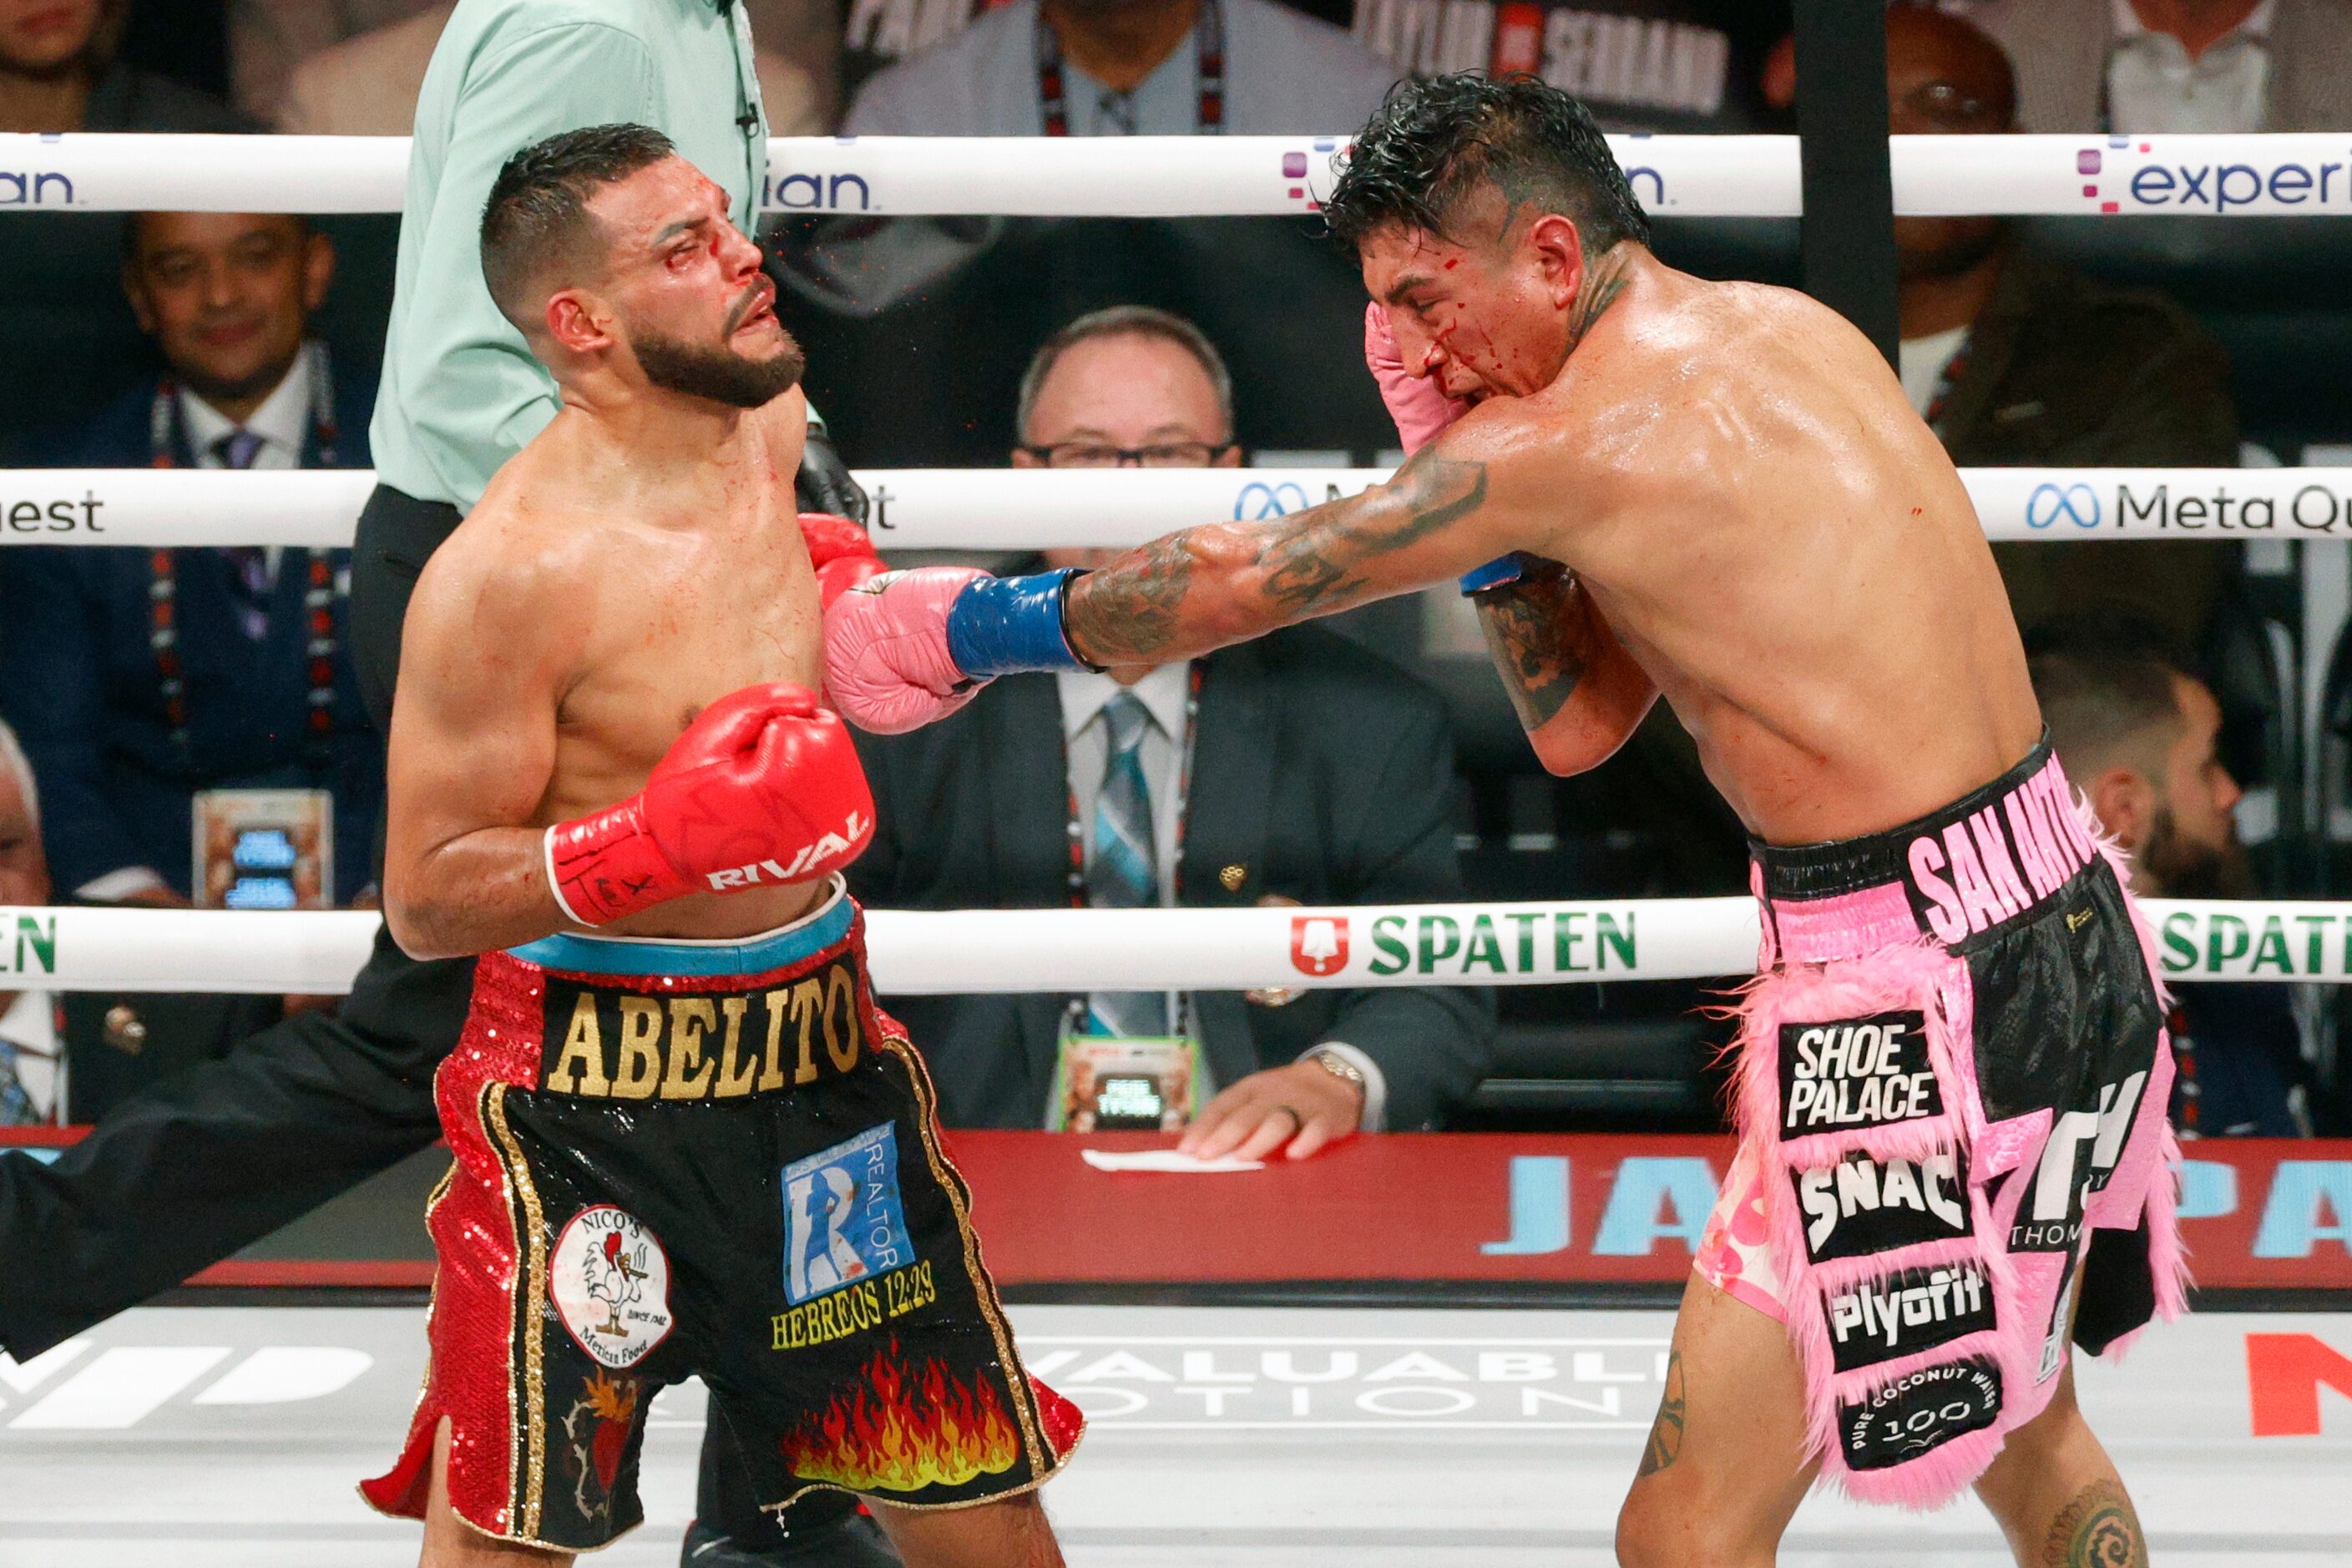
x=167 y=437
x=1209 y=73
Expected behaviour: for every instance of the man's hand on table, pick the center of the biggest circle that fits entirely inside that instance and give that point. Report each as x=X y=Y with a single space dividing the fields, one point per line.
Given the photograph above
x=1304 y=1106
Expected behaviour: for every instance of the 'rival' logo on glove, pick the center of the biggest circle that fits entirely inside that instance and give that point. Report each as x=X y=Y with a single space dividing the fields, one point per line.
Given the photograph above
x=761 y=872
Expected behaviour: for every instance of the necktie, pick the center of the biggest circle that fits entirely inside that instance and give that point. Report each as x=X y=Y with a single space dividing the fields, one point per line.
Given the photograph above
x=238 y=449
x=17 y=1108
x=1125 y=871
x=250 y=577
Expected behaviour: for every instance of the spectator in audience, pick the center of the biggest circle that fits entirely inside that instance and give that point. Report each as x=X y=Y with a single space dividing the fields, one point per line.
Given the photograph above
x=69 y=1056
x=1294 y=769
x=138 y=677
x=2143 y=66
x=67 y=343
x=367 y=85
x=269 y=40
x=1088 y=67
x=32 y=1057
x=961 y=300
x=1674 y=66
x=2136 y=734
x=58 y=73
x=2015 y=360
x=1129 y=67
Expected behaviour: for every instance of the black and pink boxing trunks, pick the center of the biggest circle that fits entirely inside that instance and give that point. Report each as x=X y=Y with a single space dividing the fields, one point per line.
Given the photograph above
x=1953 y=1156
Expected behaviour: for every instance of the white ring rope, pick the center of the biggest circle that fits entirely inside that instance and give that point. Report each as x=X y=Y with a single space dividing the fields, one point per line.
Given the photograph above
x=1030 y=509
x=926 y=952
x=2290 y=175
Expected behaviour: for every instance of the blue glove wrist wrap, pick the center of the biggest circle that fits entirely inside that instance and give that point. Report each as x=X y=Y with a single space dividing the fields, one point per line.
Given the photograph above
x=1495 y=574
x=999 y=625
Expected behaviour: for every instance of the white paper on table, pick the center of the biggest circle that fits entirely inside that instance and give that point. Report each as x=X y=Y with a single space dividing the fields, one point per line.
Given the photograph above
x=1166 y=1159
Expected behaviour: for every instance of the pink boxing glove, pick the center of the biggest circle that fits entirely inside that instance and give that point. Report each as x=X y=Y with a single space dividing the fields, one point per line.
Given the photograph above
x=887 y=664
x=1417 y=403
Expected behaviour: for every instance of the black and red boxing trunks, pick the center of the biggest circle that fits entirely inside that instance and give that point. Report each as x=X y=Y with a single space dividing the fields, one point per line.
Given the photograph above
x=1953 y=1151
x=680 y=1159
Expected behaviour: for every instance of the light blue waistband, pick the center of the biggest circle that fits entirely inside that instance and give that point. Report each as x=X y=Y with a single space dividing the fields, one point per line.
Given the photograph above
x=578 y=953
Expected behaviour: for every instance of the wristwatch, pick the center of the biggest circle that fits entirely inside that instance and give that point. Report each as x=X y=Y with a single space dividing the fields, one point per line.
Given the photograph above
x=1340 y=1067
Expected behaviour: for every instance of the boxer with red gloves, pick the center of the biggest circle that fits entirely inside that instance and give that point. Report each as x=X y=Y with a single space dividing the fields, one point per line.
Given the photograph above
x=686 y=1143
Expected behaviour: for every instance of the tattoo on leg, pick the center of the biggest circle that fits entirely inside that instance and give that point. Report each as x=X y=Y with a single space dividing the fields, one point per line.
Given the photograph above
x=1533 y=629
x=2097 y=1530
x=1665 y=1445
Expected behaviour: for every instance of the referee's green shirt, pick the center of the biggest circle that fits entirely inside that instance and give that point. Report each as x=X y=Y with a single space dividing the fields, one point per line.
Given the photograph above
x=461 y=394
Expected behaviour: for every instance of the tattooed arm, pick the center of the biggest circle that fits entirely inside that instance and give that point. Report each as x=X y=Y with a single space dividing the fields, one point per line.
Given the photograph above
x=1579 y=693
x=906 y=648
x=1204 y=587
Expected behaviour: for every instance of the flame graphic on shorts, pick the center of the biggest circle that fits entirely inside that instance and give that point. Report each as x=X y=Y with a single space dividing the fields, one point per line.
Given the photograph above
x=904 y=1429
x=599 y=1425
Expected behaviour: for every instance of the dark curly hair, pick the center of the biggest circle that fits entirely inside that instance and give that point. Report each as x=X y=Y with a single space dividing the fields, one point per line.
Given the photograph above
x=1435 y=143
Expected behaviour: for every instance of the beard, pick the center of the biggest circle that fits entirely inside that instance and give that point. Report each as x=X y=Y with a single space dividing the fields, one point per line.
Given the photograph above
x=2185 y=869
x=719 y=375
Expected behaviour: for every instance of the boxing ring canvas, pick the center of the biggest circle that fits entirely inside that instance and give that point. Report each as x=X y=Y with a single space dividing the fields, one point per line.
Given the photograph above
x=1260 y=1438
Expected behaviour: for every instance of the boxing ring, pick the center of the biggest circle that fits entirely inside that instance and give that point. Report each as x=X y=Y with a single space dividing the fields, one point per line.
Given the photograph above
x=1242 y=1414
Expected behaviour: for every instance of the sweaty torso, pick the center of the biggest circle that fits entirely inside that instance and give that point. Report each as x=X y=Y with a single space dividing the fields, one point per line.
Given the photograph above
x=1785 y=548
x=665 y=599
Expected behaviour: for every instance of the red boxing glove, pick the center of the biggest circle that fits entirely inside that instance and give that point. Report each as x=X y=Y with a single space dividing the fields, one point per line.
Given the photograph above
x=842 y=553
x=1417 y=403
x=762 y=788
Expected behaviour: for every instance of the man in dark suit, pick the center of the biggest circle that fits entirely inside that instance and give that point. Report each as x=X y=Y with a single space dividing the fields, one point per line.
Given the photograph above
x=2017 y=361
x=137 y=678
x=1298 y=769
x=66 y=343
x=69 y=1056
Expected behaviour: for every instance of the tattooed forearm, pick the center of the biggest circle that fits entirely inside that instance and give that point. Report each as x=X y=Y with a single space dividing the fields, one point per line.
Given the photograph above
x=1536 y=630
x=1306 y=569
x=1206 y=586
x=1142 y=596
x=1665 y=1445
x=2097 y=1530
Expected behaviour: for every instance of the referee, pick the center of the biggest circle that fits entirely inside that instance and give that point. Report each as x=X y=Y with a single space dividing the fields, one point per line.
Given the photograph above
x=184 y=1174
